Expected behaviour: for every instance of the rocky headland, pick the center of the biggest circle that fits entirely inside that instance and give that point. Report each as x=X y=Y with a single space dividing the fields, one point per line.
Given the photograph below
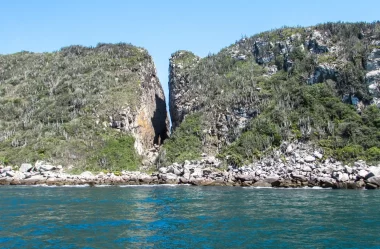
x=291 y=107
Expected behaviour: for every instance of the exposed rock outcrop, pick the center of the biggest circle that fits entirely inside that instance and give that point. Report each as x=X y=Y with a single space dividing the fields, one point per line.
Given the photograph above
x=180 y=88
x=149 y=122
x=373 y=73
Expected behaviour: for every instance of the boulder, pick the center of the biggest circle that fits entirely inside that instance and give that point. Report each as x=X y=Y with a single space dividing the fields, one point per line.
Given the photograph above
x=25 y=167
x=371 y=186
x=10 y=173
x=289 y=149
x=163 y=170
x=272 y=178
x=87 y=174
x=198 y=172
x=362 y=173
x=46 y=167
x=100 y=175
x=37 y=178
x=262 y=184
x=374 y=180
x=177 y=172
x=374 y=170
x=309 y=159
x=6 y=169
x=169 y=177
x=19 y=175
x=318 y=155
x=306 y=168
x=348 y=169
x=244 y=178
x=343 y=177
x=144 y=178
x=327 y=182
x=299 y=177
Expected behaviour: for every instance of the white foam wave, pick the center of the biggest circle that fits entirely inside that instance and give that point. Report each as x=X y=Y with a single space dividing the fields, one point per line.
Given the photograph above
x=304 y=188
x=153 y=186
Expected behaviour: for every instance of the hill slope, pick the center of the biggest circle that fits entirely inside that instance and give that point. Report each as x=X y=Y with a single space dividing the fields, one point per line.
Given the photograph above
x=318 y=84
x=98 y=108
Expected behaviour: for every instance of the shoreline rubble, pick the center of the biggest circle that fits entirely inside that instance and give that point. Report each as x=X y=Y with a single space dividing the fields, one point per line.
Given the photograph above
x=292 y=166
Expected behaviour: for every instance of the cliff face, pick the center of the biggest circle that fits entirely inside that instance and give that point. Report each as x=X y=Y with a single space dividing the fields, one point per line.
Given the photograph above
x=77 y=105
x=180 y=88
x=266 y=88
x=148 y=122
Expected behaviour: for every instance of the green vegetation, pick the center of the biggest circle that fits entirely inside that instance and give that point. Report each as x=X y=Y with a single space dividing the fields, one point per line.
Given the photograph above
x=185 y=143
x=56 y=106
x=118 y=153
x=284 y=107
x=185 y=58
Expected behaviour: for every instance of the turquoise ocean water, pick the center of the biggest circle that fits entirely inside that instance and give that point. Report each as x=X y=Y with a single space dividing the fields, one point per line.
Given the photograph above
x=188 y=217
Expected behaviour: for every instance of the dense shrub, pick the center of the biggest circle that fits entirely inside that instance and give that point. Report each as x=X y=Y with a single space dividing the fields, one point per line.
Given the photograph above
x=118 y=153
x=185 y=142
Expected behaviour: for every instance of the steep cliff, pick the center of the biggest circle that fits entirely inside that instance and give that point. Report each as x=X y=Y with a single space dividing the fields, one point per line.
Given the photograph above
x=317 y=84
x=83 y=106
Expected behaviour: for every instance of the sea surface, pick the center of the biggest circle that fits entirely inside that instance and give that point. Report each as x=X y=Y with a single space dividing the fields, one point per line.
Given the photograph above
x=187 y=217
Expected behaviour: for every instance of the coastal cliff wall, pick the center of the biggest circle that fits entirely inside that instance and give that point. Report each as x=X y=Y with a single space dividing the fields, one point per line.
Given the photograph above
x=305 y=84
x=81 y=106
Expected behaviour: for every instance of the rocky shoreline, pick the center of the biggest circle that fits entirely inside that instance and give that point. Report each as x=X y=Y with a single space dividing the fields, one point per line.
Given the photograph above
x=292 y=166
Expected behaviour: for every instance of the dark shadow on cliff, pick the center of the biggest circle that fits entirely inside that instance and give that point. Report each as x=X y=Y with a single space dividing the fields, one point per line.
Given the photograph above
x=159 y=121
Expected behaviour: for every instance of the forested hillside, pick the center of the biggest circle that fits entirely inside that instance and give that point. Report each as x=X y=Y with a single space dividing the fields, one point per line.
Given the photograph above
x=94 y=108
x=316 y=85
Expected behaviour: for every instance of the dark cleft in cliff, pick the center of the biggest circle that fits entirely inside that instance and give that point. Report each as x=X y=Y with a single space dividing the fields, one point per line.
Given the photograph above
x=98 y=108
x=318 y=84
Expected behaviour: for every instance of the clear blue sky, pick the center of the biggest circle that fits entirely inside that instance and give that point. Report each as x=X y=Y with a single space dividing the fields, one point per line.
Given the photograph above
x=163 y=26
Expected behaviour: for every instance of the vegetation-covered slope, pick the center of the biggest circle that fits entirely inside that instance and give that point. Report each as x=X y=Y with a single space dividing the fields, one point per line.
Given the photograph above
x=94 y=108
x=318 y=84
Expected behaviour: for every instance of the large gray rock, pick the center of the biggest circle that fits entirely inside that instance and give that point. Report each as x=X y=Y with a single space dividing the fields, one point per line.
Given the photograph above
x=10 y=173
x=289 y=149
x=37 y=178
x=272 y=178
x=348 y=169
x=299 y=177
x=25 y=167
x=343 y=177
x=47 y=167
x=374 y=170
x=362 y=173
x=306 y=168
x=6 y=169
x=169 y=177
x=318 y=155
x=309 y=159
x=177 y=172
x=322 y=73
x=245 y=177
x=198 y=172
x=374 y=180
x=327 y=182
x=163 y=170
x=87 y=175
x=262 y=184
